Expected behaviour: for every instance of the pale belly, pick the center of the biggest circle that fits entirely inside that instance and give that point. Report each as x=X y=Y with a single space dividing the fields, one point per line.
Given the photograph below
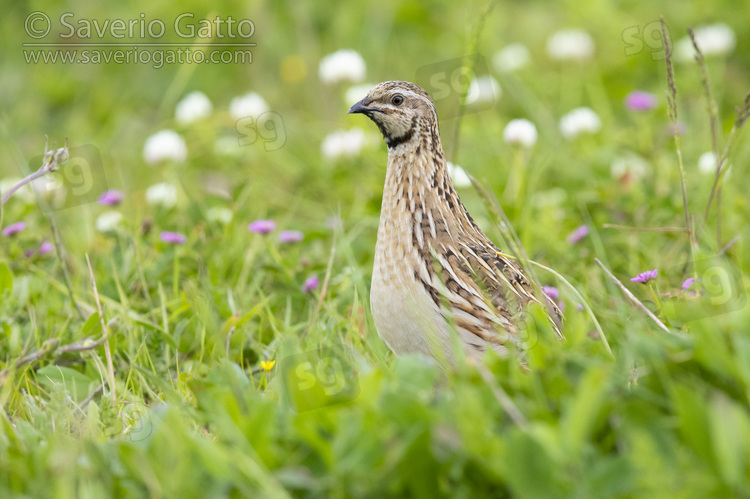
x=405 y=315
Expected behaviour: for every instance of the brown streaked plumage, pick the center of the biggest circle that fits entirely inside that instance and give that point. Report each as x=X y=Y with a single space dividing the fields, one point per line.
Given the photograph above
x=435 y=271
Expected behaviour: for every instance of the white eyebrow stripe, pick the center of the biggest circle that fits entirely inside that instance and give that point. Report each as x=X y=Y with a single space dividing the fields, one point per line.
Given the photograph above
x=409 y=93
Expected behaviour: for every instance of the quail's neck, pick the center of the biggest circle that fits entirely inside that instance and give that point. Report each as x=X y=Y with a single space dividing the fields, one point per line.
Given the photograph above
x=418 y=186
x=413 y=165
x=422 y=138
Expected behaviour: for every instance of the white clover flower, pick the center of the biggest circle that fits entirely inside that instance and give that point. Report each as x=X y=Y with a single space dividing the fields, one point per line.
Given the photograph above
x=713 y=39
x=343 y=65
x=578 y=121
x=521 y=132
x=343 y=143
x=570 y=44
x=193 y=107
x=707 y=162
x=25 y=193
x=707 y=165
x=219 y=214
x=249 y=105
x=483 y=89
x=357 y=92
x=511 y=58
x=164 y=145
x=630 y=167
x=553 y=197
x=162 y=194
x=227 y=146
x=51 y=188
x=108 y=221
x=458 y=175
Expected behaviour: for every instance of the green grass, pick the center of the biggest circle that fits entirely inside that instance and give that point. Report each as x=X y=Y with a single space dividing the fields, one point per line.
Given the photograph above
x=231 y=381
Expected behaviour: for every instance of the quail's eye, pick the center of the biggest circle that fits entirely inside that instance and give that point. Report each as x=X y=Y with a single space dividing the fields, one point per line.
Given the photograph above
x=397 y=100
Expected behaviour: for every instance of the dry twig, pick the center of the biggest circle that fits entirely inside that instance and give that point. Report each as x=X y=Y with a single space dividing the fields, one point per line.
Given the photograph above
x=50 y=348
x=52 y=159
x=672 y=112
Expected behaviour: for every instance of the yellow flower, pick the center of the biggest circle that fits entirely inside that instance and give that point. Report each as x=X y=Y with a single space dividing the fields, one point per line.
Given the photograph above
x=267 y=365
x=293 y=69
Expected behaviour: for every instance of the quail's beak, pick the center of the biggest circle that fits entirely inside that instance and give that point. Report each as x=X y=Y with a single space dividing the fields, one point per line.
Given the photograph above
x=362 y=107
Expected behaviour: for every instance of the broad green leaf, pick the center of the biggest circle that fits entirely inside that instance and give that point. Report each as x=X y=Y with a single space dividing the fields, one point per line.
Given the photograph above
x=92 y=326
x=6 y=279
x=531 y=471
x=76 y=383
x=725 y=423
x=579 y=419
x=690 y=406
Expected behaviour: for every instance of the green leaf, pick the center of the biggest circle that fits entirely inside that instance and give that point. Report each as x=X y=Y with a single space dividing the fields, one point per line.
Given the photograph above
x=725 y=422
x=92 y=326
x=155 y=328
x=76 y=383
x=6 y=279
x=690 y=407
x=579 y=419
x=531 y=471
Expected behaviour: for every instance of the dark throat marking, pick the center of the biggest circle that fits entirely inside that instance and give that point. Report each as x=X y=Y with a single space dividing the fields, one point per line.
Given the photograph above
x=392 y=142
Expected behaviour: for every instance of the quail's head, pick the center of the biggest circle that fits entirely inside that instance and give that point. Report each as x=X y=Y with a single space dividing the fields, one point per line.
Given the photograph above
x=399 y=109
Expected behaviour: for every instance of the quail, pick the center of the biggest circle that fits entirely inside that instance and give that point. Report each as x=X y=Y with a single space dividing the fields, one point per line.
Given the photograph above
x=438 y=282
